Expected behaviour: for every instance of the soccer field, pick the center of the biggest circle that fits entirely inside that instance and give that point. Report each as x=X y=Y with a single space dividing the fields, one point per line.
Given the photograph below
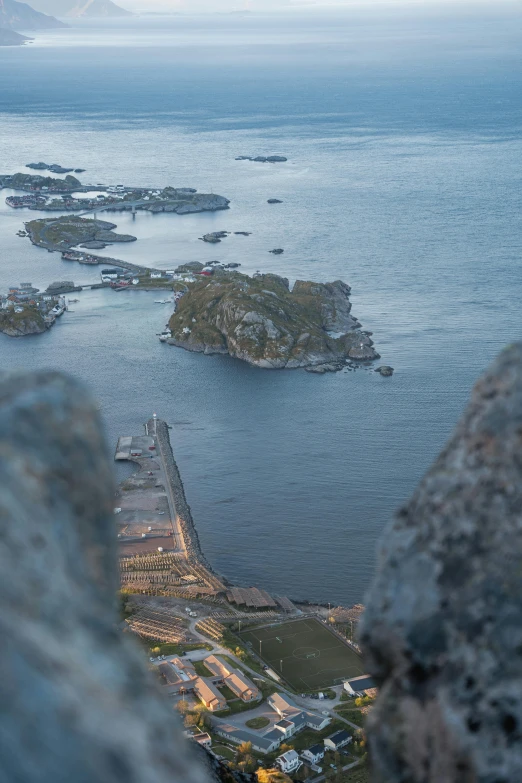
x=305 y=653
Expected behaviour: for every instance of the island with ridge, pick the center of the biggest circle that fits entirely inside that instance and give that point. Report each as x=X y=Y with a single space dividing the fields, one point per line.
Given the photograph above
x=264 y=322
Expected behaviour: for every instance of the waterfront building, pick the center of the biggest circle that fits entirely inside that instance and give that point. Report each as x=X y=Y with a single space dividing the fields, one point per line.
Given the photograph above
x=203 y=739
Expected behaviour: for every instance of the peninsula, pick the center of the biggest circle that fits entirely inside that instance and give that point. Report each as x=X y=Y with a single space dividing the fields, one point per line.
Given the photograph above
x=265 y=323
x=65 y=195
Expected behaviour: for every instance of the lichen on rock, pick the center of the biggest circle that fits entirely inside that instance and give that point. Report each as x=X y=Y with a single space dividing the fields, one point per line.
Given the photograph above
x=442 y=632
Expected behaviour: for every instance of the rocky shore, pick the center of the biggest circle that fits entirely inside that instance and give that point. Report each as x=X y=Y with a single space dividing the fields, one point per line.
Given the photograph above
x=261 y=321
x=66 y=232
x=28 y=322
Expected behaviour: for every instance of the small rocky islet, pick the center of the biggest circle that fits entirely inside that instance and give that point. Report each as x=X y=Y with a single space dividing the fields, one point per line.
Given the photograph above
x=265 y=323
x=264 y=158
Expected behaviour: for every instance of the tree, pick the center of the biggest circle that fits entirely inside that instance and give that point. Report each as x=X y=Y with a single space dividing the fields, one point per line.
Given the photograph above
x=202 y=715
x=247 y=763
x=191 y=720
x=155 y=650
x=182 y=707
x=245 y=749
x=284 y=748
x=272 y=776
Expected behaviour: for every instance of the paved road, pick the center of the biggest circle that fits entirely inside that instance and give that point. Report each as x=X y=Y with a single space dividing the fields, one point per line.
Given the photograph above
x=178 y=535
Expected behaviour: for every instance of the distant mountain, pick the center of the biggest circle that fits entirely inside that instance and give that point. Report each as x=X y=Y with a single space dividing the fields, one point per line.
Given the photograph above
x=10 y=38
x=20 y=16
x=80 y=8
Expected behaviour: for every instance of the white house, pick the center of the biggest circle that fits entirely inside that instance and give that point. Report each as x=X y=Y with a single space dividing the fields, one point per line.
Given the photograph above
x=203 y=739
x=286 y=727
x=358 y=685
x=156 y=275
x=314 y=754
x=338 y=740
x=289 y=761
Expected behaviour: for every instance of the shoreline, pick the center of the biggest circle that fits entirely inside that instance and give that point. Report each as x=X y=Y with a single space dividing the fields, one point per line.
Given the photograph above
x=158 y=431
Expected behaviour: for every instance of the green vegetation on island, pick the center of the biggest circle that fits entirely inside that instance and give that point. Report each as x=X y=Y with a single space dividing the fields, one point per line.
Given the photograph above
x=260 y=320
x=19 y=324
x=68 y=231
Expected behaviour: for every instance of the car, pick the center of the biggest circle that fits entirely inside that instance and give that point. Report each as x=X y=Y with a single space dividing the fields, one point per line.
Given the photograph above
x=333 y=766
x=151 y=659
x=265 y=668
x=161 y=513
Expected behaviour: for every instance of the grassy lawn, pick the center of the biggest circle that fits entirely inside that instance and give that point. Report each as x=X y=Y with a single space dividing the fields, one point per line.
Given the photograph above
x=227 y=693
x=258 y=723
x=309 y=737
x=222 y=750
x=200 y=668
x=306 y=653
x=353 y=715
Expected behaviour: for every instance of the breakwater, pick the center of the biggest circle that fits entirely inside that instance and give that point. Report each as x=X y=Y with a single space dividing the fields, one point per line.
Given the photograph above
x=159 y=430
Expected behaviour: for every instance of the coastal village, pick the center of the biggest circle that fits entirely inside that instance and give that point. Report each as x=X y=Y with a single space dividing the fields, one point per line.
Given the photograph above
x=259 y=680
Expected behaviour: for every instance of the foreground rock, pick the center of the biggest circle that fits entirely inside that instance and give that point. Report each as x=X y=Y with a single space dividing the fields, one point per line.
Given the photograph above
x=262 y=322
x=385 y=371
x=82 y=705
x=68 y=231
x=442 y=630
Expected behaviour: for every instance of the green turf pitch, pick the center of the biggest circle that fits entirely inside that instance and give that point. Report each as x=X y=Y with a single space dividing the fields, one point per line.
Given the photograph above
x=312 y=656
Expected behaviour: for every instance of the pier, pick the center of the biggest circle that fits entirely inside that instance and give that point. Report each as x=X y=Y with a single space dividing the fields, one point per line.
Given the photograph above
x=158 y=544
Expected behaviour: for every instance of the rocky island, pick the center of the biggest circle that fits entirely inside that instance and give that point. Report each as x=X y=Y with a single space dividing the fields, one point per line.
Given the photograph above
x=21 y=322
x=65 y=232
x=37 y=182
x=261 y=321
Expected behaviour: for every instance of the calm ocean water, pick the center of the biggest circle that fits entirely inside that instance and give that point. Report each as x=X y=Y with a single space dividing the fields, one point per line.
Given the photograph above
x=404 y=137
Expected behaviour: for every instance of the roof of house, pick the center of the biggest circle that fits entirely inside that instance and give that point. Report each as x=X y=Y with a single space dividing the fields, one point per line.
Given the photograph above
x=202 y=737
x=315 y=720
x=216 y=666
x=242 y=735
x=169 y=674
x=289 y=756
x=207 y=691
x=285 y=724
x=283 y=703
x=316 y=749
x=362 y=683
x=238 y=683
x=274 y=734
x=339 y=736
